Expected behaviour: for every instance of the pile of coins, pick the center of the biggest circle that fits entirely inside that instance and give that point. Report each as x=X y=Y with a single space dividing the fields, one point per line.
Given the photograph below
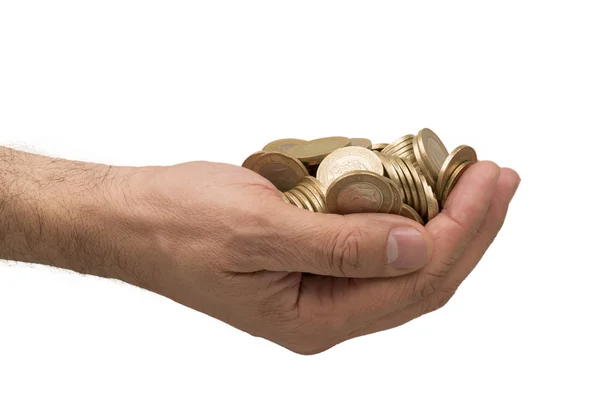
x=412 y=176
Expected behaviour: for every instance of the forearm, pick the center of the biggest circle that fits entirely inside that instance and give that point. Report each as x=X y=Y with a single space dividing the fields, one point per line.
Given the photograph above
x=62 y=213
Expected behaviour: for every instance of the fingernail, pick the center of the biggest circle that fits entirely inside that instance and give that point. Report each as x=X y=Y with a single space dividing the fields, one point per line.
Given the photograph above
x=406 y=248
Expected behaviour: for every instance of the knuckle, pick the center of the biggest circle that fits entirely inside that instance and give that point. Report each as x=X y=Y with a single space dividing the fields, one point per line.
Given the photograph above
x=343 y=251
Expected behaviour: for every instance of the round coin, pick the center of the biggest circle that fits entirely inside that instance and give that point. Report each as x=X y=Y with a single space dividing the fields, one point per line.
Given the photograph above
x=419 y=181
x=458 y=156
x=250 y=162
x=317 y=203
x=307 y=205
x=389 y=168
x=311 y=181
x=359 y=192
x=397 y=144
x=283 y=145
x=379 y=146
x=413 y=200
x=432 y=151
x=282 y=170
x=361 y=142
x=420 y=163
x=433 y=207
x=402 y=179
x=453 y=180
x=398 y=197
x=345 y=160
x=409 y=212
x=316 y=150
x=294 y=200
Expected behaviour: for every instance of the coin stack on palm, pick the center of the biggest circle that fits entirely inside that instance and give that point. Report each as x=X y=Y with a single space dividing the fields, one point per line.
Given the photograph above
x=412 y=176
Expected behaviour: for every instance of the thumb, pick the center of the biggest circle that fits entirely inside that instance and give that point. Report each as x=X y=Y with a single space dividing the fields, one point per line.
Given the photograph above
x=354 y=246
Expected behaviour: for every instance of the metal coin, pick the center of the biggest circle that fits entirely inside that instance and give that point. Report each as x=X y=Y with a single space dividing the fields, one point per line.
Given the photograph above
x=359 y=192
x=307 y=205
x=420 y=163
x=453 y=180
x=282 y=170
x=458 y=156
x=283 y=145
x=405 y=150
x=310 y=180
x=346 y=160
x=250 y=162
x=409 y=212
x=379 y=146
x=419 y=181
x=412 y=185
x=361 y=142
x=388 y=168
x=433 y=207
x=285 y=198
x=398 y=197
x=402 y=179
x=318 y=204
x=294 y=200
x=397 y=144
x=316 y=150
x=432 y=153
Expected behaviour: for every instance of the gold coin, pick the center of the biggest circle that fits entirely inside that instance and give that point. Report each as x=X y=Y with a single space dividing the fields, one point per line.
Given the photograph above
x=317 y=203
x=398 y=197
x=311 y=181
x=359 y=192
x=407 y=149
x=458 y=156
x=430 y=153
x=282 y=170
x=285 y=198
x=294 y=200
x=306 y=203
x=433 y=207
x=389 y=168
x=316 y=150
x=419 y=181
x=250 y=162
x=283 y=145
x=412 y=185
x=379 y=146
x=361 y=142
x=403 y=182
x=409 y=212
x=345 y=160
x=397 y=144
x=453 y=180
x=419 y=164
x=317 y=196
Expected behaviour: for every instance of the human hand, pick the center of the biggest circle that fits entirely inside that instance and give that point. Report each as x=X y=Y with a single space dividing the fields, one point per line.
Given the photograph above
x=220 y=239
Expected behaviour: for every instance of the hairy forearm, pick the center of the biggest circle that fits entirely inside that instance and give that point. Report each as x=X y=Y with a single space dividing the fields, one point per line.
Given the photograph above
x=63 y=213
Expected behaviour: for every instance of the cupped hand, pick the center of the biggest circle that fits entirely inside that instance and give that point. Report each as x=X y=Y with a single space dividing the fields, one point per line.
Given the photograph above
x=221 y=240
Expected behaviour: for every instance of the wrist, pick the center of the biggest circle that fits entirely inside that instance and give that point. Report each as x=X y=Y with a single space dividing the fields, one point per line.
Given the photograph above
x=66 y=214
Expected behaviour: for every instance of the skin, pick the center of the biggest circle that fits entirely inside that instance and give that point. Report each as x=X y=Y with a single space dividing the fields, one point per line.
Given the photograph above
x=219 y=239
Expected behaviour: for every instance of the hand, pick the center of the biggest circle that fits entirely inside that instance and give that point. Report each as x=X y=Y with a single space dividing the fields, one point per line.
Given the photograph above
x=220 y=239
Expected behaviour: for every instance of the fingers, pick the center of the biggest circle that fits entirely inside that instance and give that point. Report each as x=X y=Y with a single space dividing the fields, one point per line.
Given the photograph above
x=467 y=207
x=356 y=246
x=506 y=188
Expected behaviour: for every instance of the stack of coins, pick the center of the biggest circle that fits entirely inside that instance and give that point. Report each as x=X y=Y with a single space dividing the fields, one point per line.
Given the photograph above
x=412 y=176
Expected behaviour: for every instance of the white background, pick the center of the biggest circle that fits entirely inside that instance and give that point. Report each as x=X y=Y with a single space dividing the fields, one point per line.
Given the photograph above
x=162 y=82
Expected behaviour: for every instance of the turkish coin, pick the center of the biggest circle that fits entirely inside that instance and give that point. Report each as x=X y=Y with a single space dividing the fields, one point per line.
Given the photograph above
x=345 y=160
x=359 y=192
